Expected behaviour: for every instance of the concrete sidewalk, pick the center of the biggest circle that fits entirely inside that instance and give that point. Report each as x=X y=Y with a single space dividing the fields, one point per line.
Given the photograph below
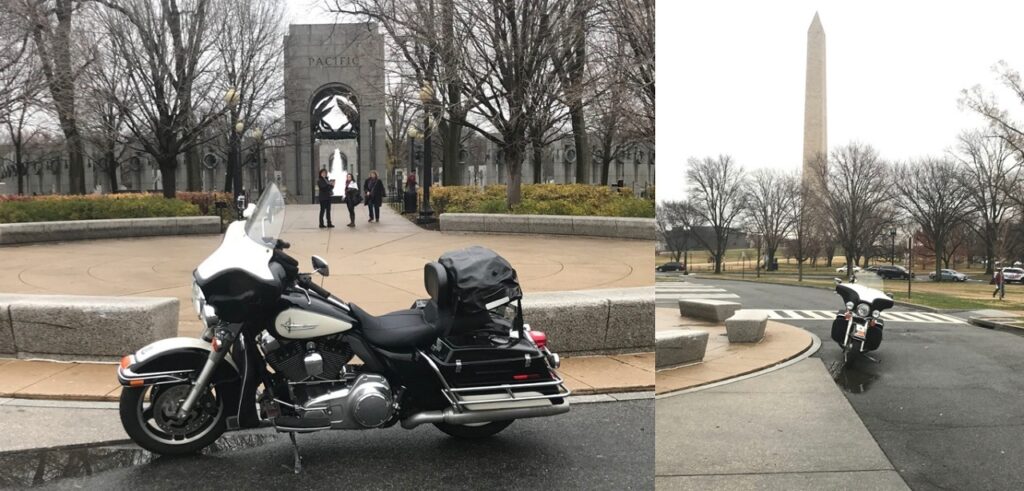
x=789 y=429
x=72 y=381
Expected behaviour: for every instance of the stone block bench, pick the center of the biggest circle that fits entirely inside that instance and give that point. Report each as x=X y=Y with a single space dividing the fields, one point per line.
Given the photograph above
x=607 y=321
x=83 y=327
x=707 y=309
x=746 y=326
x=679 y=346
x=61 y=231
x=611 y=227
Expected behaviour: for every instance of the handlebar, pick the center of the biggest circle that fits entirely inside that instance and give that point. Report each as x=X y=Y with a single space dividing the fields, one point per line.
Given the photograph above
x=306 y=282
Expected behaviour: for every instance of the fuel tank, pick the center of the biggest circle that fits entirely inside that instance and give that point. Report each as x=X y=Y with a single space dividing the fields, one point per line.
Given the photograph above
x=303 y=317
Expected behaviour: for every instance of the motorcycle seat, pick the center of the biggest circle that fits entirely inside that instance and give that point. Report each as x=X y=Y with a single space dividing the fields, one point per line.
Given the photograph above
x=401 y=330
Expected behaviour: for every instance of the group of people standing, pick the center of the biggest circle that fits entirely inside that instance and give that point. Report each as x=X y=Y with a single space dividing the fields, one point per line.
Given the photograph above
x=373 y=188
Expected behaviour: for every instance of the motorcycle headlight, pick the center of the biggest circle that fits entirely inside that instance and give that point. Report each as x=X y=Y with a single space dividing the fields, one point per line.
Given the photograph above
x=876 y=314
x=863 y=310
x=849 y=305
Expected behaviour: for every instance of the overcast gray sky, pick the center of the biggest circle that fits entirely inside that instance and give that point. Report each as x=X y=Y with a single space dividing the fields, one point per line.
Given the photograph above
x=731 y=75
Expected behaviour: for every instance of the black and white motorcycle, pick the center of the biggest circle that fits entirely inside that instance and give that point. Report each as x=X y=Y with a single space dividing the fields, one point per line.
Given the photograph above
x=277 y=351
x=858 y=329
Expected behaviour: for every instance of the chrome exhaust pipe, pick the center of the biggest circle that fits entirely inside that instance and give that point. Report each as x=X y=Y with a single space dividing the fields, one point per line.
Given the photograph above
x=449 y=415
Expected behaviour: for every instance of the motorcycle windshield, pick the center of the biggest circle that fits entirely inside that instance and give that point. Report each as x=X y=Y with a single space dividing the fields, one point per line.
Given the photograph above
x=870 y=280
x=265 y=224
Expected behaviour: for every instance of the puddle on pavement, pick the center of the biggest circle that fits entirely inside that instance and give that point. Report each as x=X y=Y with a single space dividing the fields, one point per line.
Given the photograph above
x=36 y=467
x=850 y=379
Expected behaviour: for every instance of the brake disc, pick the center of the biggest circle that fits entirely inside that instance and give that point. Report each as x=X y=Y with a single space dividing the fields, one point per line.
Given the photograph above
x=165 y=411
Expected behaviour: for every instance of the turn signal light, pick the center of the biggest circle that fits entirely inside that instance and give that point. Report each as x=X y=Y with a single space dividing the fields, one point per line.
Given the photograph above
x=215 y=344
x=539 y=338
x=126 y=361
x=137 y=382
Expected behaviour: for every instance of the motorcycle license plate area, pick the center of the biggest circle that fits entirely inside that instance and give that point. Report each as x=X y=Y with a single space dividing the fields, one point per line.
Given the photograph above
x=859 y=331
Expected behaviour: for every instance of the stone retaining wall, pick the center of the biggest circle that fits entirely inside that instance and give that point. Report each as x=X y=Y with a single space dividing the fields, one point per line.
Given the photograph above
x=83 y=327
x=594 y=321
x=613 y=227
x=24 y=233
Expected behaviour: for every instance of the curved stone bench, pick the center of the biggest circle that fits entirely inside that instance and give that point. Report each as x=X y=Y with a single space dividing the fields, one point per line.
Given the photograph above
x=83 y=327
x=606 y=321
x=746 y=326
x=24 y=233
x=716 y=311
x=679 y=346
x=612 y=227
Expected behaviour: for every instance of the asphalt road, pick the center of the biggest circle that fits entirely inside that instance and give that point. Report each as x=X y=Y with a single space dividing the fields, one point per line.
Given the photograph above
x=945 y=402
x=595 y=446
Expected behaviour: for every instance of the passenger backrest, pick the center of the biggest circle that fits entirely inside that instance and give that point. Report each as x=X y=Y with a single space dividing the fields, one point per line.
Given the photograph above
x=435 y=280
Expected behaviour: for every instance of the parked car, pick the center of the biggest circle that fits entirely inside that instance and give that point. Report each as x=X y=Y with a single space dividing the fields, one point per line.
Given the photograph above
x=948 y=275
x=670 y=266
x=894 y=273
x=1013 y=275
x=871 y=269
x=842 y=269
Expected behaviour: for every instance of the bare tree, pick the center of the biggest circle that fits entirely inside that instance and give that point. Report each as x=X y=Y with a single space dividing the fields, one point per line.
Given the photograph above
x=23 y=127
x=856 y=198
x=166 y=46
x=509 y=66
x=936 y=206
x=400 y=114
x=675 y=221
x=16 y=58
x=717 y=197
x=571 y=64
x=633 y=22
x=103 y=116
x=770 y=198
x=50 y=25
x=989 y=172
x=805 y=241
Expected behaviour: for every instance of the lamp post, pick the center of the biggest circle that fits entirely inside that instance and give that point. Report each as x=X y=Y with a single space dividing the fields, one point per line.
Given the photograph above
x=231 y=99
x=427 y=98
x=892 y=254
x=257 y=135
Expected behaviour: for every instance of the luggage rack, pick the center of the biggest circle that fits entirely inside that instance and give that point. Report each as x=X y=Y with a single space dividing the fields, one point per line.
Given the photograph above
x=457 y=395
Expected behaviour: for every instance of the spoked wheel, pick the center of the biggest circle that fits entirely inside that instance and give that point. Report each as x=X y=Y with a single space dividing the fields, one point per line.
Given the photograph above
x=149 y=416
x=474 y=431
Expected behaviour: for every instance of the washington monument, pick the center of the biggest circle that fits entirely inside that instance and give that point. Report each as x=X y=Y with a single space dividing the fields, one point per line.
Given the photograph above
x=815 y=120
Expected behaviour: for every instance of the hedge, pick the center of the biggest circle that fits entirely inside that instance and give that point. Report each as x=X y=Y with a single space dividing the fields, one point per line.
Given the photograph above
x=49 y=208
x=542 y=199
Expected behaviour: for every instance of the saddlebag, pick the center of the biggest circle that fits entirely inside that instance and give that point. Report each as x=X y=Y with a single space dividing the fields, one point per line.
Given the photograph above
x=477 y=360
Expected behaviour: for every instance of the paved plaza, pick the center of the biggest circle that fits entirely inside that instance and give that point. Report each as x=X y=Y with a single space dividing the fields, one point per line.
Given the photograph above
x=378 y=266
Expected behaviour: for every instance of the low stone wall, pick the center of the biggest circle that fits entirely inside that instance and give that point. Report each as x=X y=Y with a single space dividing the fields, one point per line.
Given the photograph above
x=83 y=327
x=613 y=227
x=594 y=321
x=24 y=233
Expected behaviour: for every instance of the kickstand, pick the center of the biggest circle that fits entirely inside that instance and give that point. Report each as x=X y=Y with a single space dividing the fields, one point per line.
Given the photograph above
x=295 y=449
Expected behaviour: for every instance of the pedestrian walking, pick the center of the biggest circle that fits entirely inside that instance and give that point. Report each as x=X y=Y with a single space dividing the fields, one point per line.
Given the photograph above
x=326 y=187
x=374 y=189
x=1000 y=282
x=352 y=198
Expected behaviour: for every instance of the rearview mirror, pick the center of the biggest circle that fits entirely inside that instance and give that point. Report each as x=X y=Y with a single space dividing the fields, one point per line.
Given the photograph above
x=320 y=266
x=249 y=210
x=838 y=281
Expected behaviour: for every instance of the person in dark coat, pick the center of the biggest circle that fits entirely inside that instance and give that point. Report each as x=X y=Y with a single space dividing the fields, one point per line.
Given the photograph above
x=326 y=187
x=351 y=198
x=374 y=189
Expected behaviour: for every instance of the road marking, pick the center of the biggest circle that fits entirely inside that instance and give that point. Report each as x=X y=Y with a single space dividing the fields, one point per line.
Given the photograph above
x=918 y=317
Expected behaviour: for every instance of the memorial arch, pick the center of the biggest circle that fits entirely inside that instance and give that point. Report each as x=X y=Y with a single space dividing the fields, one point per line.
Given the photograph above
x=334 y=104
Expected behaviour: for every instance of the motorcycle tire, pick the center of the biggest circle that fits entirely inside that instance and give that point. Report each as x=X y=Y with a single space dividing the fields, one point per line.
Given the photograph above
x=473 y=432
x=138 y=428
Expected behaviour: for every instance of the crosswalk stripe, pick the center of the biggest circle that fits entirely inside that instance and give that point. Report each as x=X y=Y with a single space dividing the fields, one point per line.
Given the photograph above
x=918 y=317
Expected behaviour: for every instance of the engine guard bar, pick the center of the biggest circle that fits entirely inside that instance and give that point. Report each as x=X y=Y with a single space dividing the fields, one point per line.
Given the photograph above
x=128 y=378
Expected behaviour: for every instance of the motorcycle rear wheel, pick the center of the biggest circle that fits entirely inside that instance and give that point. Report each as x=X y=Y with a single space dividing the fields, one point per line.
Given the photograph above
x=140 y=421
x=472 y=432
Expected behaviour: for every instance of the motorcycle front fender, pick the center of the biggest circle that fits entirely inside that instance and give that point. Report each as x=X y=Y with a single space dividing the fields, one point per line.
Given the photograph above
x=172 y=360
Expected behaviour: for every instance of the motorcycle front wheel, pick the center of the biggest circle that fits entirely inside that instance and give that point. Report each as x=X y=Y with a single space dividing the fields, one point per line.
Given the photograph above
x=474 y=431
x=148 y=415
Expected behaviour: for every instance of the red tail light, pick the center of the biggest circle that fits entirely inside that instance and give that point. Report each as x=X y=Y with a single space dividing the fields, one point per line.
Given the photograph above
x=539 y=338
x=521 y=376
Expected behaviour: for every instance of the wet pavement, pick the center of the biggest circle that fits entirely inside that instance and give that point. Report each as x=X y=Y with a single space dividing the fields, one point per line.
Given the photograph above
x=595 y=446
x=945 y=401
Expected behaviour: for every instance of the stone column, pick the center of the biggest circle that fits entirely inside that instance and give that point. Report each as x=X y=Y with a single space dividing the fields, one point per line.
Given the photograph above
x=815 y=121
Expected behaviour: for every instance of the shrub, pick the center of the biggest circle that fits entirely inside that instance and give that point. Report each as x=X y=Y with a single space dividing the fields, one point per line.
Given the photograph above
x=542 y=199
x=92 y=207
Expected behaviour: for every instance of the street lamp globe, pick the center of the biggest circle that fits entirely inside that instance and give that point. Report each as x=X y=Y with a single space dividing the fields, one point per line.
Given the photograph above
x=239 y=127
x=414 y=133
x=232 y=97
x=257 y=133
x=426 y=93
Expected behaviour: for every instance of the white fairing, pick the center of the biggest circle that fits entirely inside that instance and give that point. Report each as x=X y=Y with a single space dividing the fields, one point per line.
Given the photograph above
x=303 y=324
x=866 y=294
x=238 y=251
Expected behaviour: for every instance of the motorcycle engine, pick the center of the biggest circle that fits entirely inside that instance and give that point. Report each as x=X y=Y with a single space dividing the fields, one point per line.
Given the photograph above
x=300 y=360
